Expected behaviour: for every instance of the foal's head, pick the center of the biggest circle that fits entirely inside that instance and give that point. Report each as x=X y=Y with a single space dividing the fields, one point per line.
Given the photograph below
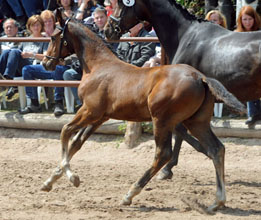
x=58 y=48
x=127 y=13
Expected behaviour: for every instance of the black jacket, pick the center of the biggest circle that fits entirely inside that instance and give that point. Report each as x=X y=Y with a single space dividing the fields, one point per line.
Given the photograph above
x=136 y=53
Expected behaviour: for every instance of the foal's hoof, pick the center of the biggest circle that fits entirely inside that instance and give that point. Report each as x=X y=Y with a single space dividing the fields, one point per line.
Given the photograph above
x=75 y=180
x=165 y=174
x=125 y=202
x=46 y=188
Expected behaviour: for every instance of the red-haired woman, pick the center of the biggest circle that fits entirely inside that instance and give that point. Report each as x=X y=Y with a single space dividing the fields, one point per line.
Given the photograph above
x=249 y=20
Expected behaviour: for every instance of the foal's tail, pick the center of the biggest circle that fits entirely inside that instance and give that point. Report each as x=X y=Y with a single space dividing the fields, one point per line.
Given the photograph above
x=222 y=94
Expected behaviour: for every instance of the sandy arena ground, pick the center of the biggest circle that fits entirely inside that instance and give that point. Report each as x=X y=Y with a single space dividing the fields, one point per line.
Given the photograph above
x=107 y=170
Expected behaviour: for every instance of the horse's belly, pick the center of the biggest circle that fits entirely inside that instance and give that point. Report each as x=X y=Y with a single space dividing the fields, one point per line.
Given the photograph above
x=131 y=113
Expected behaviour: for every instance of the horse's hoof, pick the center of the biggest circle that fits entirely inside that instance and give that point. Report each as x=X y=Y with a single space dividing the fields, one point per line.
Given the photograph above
x=46 y=188
x=75 y=180
x=164 y=174
x=125 y=202
x=213 y=208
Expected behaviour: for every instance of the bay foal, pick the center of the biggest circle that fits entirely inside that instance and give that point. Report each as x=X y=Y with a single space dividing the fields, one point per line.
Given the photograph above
x=166 y=95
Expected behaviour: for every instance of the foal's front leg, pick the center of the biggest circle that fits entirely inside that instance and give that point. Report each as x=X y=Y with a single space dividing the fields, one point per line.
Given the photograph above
x=76 y=144
x=162 y=155
x=58 y=172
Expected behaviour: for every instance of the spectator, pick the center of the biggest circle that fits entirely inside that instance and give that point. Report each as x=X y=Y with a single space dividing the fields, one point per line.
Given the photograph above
x=248 y=20
x=136 y=53
x=100 y=19
x=156 y=59
x=13 y=60
x=109 y=6
x=79 y=11
x=85 y=9
x=216 y=17
x=226 y=7
x=32 y=72
x=10 y=27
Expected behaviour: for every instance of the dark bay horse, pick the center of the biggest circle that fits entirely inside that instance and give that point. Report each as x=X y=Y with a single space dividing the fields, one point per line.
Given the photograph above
x=166 y=95
x=232 y=58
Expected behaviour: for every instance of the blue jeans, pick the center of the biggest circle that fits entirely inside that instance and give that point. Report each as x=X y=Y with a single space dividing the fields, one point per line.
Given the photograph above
x=253 y=108
x=32 y=72
x=11 y=63
x=71 y=74
x=31 y=7
x=16 y=7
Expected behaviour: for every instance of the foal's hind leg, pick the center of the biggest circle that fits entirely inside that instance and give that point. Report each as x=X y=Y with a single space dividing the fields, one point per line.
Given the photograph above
x=79 y=121
x=181 y=134
x=163 y=152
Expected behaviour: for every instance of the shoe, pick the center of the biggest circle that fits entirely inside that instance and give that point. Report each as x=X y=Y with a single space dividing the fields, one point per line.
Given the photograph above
x=30 y=109
x=11 y=91
x=253 y=119
x=77 y=107
x=2 y=77
x=58 y=109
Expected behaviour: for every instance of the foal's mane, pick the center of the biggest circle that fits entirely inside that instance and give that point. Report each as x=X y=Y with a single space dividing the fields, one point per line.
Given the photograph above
x=93 y=30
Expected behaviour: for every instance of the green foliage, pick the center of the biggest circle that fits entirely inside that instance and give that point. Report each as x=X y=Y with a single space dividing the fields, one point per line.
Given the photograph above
x=147 y=127
x=122 y=127
x=195 y=7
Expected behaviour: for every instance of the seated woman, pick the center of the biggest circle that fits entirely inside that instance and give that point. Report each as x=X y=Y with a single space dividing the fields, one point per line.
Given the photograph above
x=32 y=72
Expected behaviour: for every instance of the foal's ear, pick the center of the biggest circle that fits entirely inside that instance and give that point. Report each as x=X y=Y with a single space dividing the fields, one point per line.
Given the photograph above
x=60 y=17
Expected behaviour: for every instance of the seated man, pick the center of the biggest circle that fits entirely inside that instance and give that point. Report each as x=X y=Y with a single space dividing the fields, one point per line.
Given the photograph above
x=10 y=27
x=136 y=53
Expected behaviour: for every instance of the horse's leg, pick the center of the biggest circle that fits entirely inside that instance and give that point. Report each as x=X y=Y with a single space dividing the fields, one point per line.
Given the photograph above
x=75 y=146
x=166 y=172
x=216 y=151
x=80 y=120
x=163 y=153
x=180 y=135
x=58 y=172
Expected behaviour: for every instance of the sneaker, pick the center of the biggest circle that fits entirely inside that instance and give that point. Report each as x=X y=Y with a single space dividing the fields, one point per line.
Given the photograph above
x=253 y=119
x=58 y=109
x=30 y=109
x=11 y=92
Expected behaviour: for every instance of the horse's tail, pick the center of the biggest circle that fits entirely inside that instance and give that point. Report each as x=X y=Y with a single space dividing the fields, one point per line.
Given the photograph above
x=222 y=94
